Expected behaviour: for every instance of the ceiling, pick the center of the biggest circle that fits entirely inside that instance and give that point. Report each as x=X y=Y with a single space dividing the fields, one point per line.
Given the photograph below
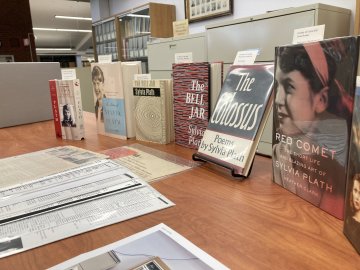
x=43 y=16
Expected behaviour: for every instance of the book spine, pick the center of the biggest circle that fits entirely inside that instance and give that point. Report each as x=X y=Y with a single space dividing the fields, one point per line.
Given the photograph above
x=55 y=107
x=80 y=134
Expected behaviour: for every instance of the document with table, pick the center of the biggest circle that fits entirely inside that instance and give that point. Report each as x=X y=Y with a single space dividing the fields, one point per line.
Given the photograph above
x=71 y=202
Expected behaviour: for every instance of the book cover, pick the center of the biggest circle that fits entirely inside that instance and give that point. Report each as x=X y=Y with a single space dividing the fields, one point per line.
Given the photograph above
x=129 y=69
x=70 y=107
x=55 y=107
x=191 y=82
x=314 y=91
x=239 y=117
x=352 y=202
x=109 y=99
x=153 y=110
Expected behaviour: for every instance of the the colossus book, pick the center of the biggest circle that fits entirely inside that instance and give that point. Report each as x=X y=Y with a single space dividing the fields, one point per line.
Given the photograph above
x=238 y=120
x=192 y=101
x=153 y=110
x=314 y=92
x=352 y=202
x=70 y=109
x=109 y=99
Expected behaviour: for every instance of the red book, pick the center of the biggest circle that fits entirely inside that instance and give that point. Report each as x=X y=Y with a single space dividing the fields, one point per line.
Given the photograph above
x=191 y=102
x=55 y=107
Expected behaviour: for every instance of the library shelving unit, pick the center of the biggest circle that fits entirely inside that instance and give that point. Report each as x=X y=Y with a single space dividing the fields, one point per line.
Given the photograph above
x=125 y=35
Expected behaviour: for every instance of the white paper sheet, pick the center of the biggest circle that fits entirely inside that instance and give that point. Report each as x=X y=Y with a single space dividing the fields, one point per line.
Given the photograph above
x=174 y=250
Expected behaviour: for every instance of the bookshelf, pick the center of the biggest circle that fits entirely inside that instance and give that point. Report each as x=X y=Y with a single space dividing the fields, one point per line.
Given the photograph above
x=125 y=36
x=139 y=25
x=105 y=38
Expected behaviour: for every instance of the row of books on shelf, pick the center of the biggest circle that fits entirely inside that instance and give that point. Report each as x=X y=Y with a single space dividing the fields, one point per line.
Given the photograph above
x=132 y=26
x=105 y=31
x=135 y=47
x=315 y=123
x=107 y=48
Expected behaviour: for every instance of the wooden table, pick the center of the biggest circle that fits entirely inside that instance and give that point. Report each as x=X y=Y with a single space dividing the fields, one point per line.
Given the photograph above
x=250 y=224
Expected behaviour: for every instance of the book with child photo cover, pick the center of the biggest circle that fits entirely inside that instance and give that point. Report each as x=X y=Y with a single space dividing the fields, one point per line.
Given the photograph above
x=314 y=92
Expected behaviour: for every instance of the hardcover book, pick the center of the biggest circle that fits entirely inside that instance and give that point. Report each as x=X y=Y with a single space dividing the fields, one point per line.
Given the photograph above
x=109 y=99
x=191 y=101
x=239 y=117
x=352 y=203
x=55 y=107
x=314 y=91
x=70 y=108
x=153 y=110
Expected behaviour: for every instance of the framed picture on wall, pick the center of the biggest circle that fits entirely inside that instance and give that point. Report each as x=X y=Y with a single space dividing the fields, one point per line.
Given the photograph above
x=197 y=10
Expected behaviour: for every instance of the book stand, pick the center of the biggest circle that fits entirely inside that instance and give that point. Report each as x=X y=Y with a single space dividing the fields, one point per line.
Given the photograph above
x=196 y=157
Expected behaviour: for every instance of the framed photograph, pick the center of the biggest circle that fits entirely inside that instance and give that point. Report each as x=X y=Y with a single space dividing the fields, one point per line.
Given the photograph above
x=197 y=10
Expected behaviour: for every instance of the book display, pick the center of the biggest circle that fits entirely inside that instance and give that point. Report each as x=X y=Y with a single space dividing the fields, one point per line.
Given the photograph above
x=352 y=202
x=192 y=100
x=236 y=124
x=71 y=119
x=153 y=110
x=109 y=99
x=175 y=171
x=314 y=88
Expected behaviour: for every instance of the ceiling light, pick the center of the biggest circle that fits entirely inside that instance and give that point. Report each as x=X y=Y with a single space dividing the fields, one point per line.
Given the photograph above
x=61 y=30
x=138 y=15
x=72 y=18
x=53 y=49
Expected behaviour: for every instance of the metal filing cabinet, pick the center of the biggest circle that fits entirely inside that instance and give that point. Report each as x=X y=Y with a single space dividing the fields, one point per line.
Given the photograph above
x=267 y=31
x=161 y=53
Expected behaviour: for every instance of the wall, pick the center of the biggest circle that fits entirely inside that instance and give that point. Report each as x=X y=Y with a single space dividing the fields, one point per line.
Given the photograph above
x=15 y=27
x=241 y=8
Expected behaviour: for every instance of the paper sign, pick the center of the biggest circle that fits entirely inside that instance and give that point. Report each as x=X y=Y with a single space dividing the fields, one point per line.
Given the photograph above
x=309 y=34
x=142 y=76
x=183 y=58
x=106 y=58
x=68 y=73
x=181 y=28
x=246 y=57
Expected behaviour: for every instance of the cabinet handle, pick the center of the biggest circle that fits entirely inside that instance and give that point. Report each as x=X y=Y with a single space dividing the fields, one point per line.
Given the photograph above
x=171 y=46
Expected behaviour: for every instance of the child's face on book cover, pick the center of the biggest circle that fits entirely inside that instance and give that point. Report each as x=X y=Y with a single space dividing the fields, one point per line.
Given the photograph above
x=356 y=195
x=296 y=104
x=98 y=87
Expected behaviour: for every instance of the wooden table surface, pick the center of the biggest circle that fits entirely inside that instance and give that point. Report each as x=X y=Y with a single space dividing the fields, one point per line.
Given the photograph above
x=249 y=224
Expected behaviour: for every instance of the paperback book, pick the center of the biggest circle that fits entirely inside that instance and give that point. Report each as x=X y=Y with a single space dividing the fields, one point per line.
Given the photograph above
x=239 y=117
x=109 y=99
x=192 y=100
x=70 y=109
x=314 y=92
x=352 y=203
x=153 y=110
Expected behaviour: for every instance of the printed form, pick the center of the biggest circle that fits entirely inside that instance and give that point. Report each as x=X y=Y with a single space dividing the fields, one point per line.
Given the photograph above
x=72 y=202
